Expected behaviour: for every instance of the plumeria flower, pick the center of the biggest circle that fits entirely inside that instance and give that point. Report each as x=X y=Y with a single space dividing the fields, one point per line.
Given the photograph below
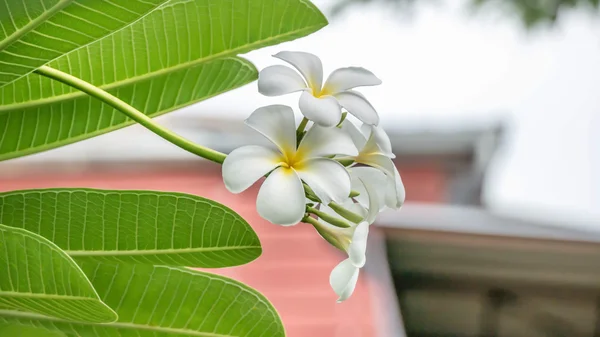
x=375 y=150
x=281 y=198
x=344 y=276
x=353 y=241
x=320 y=103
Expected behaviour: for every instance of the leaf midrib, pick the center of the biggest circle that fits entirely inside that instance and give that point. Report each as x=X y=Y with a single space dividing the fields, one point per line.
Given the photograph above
x=31 y=25
x=32 y=316
x=76 y=253
x=223 y=54
x=15 y=294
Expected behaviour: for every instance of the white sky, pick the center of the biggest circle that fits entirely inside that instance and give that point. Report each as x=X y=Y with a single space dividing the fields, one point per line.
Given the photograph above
x=443 y=67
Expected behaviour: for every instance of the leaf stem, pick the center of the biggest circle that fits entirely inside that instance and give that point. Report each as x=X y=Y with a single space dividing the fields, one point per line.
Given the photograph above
x=328 y=218
x=132 y=113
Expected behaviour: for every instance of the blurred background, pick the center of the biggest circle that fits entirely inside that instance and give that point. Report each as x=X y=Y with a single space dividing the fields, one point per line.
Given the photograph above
x=493 y=108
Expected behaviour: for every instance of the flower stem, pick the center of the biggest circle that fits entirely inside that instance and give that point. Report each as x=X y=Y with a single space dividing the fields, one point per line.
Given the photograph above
x=302 y=125
x=351 y=216
x=345 y=161
x=132 y=113
x=300 y=130
x=328 y=218
x=310 y=194
x=344 y=114
x=328 y=236
x=354 y=193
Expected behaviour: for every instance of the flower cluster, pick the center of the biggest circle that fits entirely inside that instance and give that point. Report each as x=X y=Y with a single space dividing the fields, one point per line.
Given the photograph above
x=333 y=175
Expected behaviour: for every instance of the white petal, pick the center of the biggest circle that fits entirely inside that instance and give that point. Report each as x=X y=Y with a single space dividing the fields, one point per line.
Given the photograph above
x=357 y=137
x=281 y=199
x=358 y=186
x=347 y=78
x=358 y=105
x=379 y=161
x=279 y=80
x=245 y=165
x=380 y=138
x=324 y=111
x=396 y=194
x=370 y=181
x=329 y=179
x=276 y=123
x=321 y=142
x=343 y=279
x=375 y=202
x=358 y=247
x=308 y=65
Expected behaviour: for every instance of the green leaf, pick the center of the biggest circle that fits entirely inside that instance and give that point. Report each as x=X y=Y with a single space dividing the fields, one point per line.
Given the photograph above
x=33 y=33
x=38 y=277
x=15 y=330
x=169 y=59
x=60 y=122
x=155 y=301
x=134 y=226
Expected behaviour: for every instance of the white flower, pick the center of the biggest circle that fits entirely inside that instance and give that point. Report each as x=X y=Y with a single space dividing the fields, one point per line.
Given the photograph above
x=344 y=276
x=374 y=149
x=320 y=104
x=353 y=241
x=281 y=198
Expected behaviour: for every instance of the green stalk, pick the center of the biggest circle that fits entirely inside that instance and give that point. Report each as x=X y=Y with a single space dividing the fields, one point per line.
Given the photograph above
x=328 y=218
x=354 y=193
x=132 y=113
x=351 y=216
x=310 y=194
x=300 y=131
x=345 y=161
x=302 y=125
x=329 y=237
x=344 y=114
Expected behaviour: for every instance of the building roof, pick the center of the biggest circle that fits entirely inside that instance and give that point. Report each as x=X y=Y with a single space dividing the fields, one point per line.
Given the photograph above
x=479 y=221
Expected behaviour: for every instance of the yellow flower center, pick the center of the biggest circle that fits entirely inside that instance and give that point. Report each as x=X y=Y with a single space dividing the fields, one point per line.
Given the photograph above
x=320 y=92
x=292 y=159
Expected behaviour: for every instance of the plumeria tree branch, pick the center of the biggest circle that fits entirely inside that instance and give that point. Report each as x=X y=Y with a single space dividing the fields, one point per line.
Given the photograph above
x=132 y=113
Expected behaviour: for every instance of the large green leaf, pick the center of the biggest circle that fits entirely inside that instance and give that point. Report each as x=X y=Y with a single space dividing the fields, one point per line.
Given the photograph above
x=134 y=226
x=157 y=301
x=33 y=33
x=17 y=330
x=60 y=122
x=38 y=277
x=157 y=65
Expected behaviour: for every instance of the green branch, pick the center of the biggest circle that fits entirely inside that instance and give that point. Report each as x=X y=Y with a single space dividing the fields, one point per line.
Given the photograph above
x=132 y=113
